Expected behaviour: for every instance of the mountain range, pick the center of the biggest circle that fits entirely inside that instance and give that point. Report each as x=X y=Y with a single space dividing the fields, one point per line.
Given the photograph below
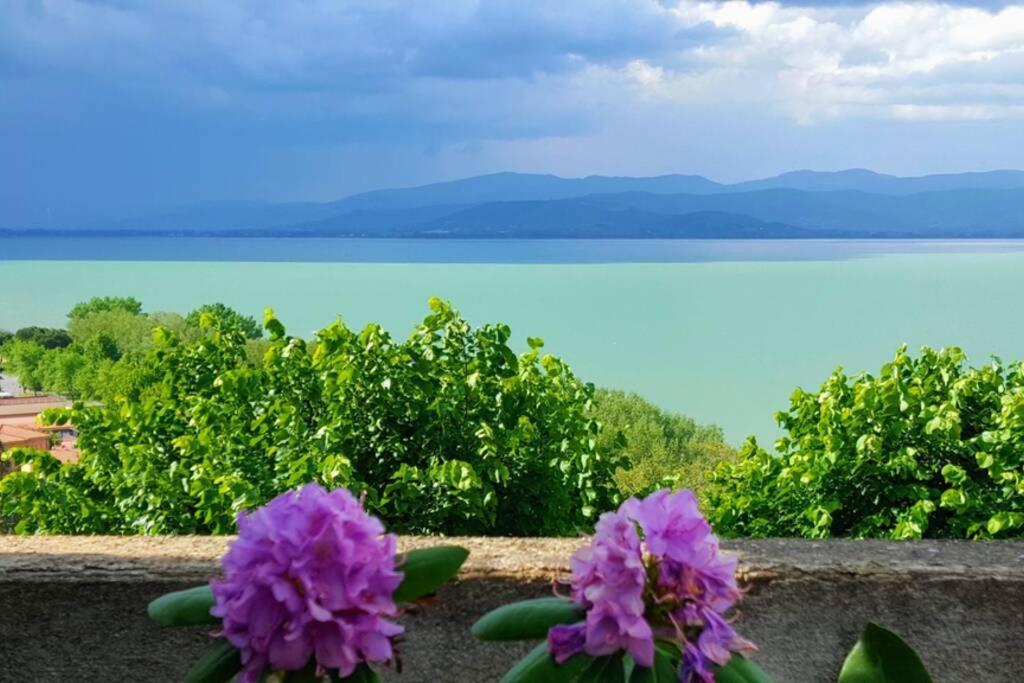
x=799 y=204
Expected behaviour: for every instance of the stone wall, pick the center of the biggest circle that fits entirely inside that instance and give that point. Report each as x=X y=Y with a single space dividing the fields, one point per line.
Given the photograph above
x=73 y=609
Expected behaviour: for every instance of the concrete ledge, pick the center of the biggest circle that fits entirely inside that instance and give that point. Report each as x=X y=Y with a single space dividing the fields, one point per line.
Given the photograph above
x=73 y=608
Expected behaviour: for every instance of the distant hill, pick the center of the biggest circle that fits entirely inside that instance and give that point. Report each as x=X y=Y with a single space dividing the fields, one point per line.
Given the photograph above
x=852 y=203
x=869 y=181
x=520 y=187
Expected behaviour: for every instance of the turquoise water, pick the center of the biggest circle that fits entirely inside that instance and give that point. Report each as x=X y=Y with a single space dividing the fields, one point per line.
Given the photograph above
x=725 y=341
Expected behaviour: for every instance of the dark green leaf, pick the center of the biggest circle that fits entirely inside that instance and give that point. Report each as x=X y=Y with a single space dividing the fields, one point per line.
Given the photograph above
x=605 y=670
x=527 y=620
x=218 y=665
x=665 y=669
x=539 y=667
x=739 y=669
x=362 y=674
x=427 y=569
x=881 y=656
x=184 y=608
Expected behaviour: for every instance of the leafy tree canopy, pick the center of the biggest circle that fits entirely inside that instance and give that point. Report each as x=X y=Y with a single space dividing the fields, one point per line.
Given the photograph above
x=447 y=431
x=47 y=337
x=928 y=447
x=660 y=448
x=227 y=317
x=102 y=304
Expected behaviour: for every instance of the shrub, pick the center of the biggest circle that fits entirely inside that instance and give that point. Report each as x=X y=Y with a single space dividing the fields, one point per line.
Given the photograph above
x=448 y=431
x=927 y=448
x=659 y=448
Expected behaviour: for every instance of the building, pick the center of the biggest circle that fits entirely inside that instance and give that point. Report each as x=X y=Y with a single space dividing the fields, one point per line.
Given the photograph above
x=12 y=436
x=19 y=428
x=23 y=410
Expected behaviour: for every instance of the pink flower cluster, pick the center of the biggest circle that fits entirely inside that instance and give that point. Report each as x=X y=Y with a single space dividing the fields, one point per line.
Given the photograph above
x=311 y=575
x=653 y=571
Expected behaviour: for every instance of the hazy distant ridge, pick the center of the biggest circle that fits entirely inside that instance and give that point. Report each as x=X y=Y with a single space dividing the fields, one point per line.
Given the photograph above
x=853 y=203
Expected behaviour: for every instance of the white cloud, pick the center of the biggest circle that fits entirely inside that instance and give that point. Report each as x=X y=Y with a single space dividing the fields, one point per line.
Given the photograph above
x=890 y=60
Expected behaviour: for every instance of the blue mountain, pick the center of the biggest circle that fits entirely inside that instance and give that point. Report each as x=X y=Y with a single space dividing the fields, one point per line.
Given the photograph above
x=851 y=203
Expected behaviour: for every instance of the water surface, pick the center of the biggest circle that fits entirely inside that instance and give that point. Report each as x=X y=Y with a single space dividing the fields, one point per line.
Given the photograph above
x=721 y=331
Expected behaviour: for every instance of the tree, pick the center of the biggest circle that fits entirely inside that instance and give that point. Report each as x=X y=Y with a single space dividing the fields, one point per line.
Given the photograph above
x=658 y=447
x=102 y=304
x=131 y=333
x=448 y=431
x=928 y=447
x=227 y=316
x=59 y=368
x=23 y=359
x=47 y=337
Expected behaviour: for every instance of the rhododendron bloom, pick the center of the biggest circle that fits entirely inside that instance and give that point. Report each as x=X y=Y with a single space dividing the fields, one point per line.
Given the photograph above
x=653 y=572
x=310 y=576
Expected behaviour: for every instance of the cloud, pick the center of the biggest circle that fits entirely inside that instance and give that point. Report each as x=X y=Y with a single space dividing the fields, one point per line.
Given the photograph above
x=377 y=57
x=195 y=98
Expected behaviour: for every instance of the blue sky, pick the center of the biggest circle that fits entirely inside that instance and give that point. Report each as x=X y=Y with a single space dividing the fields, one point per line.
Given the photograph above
x=111 y=107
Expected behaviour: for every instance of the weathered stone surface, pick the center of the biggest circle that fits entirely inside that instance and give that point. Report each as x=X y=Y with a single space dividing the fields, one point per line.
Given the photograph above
x=74 y=608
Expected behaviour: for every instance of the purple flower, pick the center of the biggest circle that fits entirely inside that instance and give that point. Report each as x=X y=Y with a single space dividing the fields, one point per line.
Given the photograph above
x=654 y=569
x=566 y=640
x=311 y=575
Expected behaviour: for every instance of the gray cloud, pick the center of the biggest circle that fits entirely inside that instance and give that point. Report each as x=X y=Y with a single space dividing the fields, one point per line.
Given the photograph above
x=106 y=106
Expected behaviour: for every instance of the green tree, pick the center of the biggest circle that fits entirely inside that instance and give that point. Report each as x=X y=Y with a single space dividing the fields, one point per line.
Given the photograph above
x=227 y=316
x=131 y=333
x=928 y=447
x=658 y=447
x=448 y=431
x=23 y=359
x=104 y=304
x=47 y=337
x=58 y=370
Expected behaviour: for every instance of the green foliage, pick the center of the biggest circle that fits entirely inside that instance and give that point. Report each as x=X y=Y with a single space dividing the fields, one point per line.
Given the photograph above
x=659 y=448
x=424 y=570
x=739 y=669
x=527 y=620
x=927 y=448
x=5 y=336
x=104 y=304
x=881 y=656
x=47 y=337
x=540 y=667
x=219 y=664
x=228 y=317
x=131 y=333
x=449 y=431
x=22 y=358
x=189 y=607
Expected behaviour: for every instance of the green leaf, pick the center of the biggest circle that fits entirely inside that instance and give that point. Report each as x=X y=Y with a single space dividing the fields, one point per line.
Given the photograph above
x=665 y=669
x=527 y=620
x=427 y=569
x=539 y=667
x=881 y=656
x=218 y=665
x=606 y=670
x=739 y=669
x=189 y=607
x=362 y=674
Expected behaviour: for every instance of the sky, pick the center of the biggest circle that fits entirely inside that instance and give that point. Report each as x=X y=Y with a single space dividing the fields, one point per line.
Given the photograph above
x=120 y=106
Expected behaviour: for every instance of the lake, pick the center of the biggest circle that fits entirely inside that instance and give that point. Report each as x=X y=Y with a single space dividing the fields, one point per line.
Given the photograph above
x=720 y=330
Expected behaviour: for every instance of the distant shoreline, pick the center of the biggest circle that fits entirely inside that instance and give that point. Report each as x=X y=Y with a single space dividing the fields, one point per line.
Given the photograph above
x=264 y=234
